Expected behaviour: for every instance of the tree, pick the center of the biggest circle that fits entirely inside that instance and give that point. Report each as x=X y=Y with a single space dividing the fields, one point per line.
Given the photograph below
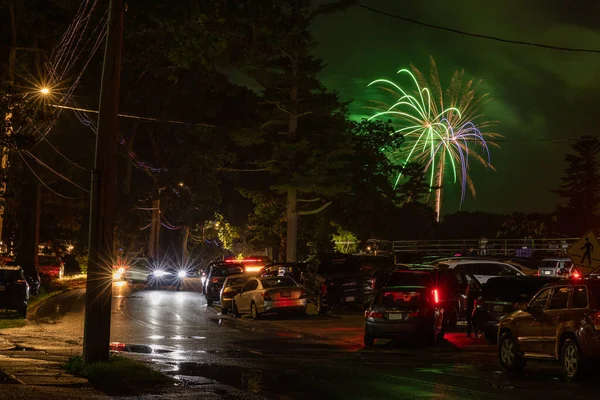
x=414 y=186
x=580 y=188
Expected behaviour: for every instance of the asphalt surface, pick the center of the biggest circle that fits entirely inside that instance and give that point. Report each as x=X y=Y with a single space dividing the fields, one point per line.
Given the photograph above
x=301 y=358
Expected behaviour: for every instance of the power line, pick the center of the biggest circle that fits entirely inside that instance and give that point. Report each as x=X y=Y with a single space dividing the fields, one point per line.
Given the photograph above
x=56 y=172
x=44 y=183
x=477 y=35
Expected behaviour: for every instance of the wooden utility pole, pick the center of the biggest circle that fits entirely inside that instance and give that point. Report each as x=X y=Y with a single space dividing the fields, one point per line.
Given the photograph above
x=96 y=336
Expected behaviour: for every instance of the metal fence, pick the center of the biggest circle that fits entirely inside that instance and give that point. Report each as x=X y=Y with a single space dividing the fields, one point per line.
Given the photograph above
x=525 y=248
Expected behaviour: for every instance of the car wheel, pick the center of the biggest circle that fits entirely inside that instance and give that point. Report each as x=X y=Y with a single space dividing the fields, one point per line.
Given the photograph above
x=22 y=312
x=254 y=311
x=321 y=309
x=510 y=358
x=234 y=308
x=571 y=360
x=369 y=340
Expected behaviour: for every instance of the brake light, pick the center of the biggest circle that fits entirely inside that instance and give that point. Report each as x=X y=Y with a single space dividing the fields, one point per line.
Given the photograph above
x=228 y=295
x=253 y=268
x=215 y=280
x=576 y=275
x=323 y=289
x=436 y=298
x=373 y=314
x=117 y=346
x=266 y=296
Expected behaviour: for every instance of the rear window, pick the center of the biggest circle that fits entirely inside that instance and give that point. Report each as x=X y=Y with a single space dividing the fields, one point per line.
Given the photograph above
x=341 y=264
x=514 y=290
x=277 y=282
x=409 y=279
x=10 y=275
x=224 y=271
x=237 y=281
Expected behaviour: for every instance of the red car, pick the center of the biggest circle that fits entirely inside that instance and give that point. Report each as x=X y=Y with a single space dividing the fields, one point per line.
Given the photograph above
x=51 y=266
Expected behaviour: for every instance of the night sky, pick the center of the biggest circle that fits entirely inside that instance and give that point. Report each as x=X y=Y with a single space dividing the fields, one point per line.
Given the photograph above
x=540 y=97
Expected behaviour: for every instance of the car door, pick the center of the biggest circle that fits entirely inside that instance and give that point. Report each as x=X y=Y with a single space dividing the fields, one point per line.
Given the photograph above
x=245 y=296
x=556 y=314
x=530 y=325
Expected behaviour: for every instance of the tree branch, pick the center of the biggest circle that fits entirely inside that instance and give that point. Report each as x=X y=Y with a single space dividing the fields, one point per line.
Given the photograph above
x=315 y=211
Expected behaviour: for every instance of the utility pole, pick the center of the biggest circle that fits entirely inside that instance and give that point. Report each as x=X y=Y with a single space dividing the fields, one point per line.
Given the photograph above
x=96 y=335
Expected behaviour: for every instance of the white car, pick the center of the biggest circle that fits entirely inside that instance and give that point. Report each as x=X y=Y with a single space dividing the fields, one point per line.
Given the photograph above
x=482 y=269
x=269 y=294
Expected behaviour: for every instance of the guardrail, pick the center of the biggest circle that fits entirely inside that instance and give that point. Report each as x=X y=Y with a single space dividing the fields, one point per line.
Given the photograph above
x=525 y=248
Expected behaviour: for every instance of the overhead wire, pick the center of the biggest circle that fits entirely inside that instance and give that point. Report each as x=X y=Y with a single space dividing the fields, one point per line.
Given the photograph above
x=44 y=183
x=54 y=171
x=477 y=35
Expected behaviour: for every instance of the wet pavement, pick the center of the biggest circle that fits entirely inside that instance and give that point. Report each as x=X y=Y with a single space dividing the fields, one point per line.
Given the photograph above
x=294 y=357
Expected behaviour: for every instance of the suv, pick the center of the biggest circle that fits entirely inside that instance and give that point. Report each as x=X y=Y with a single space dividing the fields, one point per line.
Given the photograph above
x=14 y=290
x=482 y=269
x=215 y=276
x=337 y=279
x=561 y=322
x=500 y=297
x=555 y=267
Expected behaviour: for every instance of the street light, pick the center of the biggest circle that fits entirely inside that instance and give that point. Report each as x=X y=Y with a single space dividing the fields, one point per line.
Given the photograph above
x=45 y=91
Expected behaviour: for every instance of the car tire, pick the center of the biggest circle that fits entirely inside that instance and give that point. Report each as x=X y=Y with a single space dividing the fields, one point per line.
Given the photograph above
x=234 y=309
x=22 y=312
x=321 y=309
x=509 y=356
x=254 y=311
x=571 y=362
x=369 y=340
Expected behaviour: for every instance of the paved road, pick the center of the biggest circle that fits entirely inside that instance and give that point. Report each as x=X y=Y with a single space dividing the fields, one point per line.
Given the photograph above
x=311 y=357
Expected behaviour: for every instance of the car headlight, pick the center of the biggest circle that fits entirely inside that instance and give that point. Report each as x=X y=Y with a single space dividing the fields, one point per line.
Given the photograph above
x=159 y=273
x=182 y=274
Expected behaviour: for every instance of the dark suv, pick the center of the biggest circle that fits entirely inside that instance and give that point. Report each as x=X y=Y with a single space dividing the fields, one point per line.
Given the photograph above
x=215 y=276
x=561 y=322
x=14 y=290
x=337 y=279
x=500 y=297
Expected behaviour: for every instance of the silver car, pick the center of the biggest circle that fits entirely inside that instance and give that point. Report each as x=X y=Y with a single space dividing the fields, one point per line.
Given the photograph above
x=231 y=287
x=270 y=294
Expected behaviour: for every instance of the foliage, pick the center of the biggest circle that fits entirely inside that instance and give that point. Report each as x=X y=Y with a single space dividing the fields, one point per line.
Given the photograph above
x=414 y=186
x=580 y=188
x=345 y=241
x=227 y=233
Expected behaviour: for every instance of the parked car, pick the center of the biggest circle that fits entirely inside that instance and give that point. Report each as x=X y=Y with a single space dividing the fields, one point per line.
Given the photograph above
x=407 y=306
x=14 y=289
x=272 y=294
x=482 y=269
x=561 y=322
x=562 y=267
x=295 y=270
x=337 y=279
x=231 y=287
x=216 y=276
x=51 y=266
x=500 y=297
x=31 y=276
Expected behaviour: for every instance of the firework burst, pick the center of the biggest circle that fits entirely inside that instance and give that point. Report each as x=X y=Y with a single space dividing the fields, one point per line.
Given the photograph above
x=441 y=130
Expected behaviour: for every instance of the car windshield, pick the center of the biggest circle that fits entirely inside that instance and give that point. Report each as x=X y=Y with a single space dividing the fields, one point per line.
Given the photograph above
x=340 y=265
x=408 y=278
x=229 y=270
x=237 y=281
x=10 y=275
x=277 y=282
x=513 y=290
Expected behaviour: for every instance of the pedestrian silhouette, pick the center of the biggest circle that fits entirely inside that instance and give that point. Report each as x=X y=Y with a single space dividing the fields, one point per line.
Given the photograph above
x=588 y=251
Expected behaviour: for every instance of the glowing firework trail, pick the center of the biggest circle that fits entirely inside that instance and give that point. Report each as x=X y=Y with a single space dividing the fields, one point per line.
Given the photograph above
x=437 y=136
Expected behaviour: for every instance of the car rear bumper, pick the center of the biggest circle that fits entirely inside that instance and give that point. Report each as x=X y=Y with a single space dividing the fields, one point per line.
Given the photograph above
x=226 y=303
x=282 y=305
x=409 y=329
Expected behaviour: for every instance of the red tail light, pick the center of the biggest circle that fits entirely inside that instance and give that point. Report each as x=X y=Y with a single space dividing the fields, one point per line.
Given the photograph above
x=323 y=289
x=373 y=314
x=117 y=346
x=228 y=295
x=576 y=275
x=414 y=314
x=436 y=298
x=215 y=280
x=266 y=296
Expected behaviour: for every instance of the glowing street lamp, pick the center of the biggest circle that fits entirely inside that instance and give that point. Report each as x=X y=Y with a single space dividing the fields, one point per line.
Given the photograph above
x=45 y=91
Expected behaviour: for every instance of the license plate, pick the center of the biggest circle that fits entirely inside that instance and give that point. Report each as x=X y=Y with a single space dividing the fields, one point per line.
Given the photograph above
x=395 y=317
x=286 y=294
x=349 y=299
x=498 y=308
x=2 y=288
x=547 y=272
